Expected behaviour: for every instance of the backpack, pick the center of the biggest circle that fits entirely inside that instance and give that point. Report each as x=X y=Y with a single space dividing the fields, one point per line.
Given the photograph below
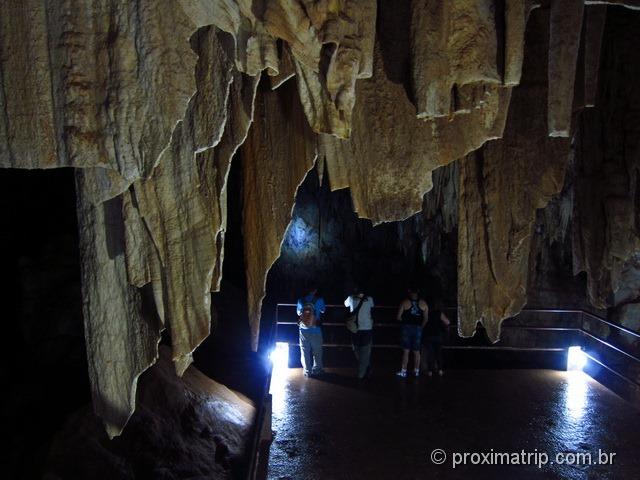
x=309 y=320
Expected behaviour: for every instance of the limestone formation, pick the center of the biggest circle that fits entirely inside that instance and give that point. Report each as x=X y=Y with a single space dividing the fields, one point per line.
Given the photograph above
x=255 y=50
x=516 y=16
x=183 y=224
x=499 y=194
x=564 y=41
x=453 y=44
x=121 y=341
x=605 y=218
x=387 y=162
x=332 y=46
x=276 y=156
x=595 y=18
x=92 y=83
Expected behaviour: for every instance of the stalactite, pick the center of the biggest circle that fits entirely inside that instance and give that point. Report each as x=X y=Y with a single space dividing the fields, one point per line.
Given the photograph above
x=100 y=93
x=498 y=199
x=387 y=163
x=276 y=156
x=564 y=41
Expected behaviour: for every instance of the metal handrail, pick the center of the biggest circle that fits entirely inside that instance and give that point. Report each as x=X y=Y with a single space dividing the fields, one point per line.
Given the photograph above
x=522 y=327
x=607 y=344
x=524 y=310
x=624 y=377
x=610 y=324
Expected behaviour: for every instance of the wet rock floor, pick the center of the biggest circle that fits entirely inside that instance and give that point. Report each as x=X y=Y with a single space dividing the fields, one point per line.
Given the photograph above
x=510 y=424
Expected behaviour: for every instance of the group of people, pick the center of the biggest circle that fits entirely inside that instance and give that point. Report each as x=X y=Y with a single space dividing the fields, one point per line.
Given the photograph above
x=421 y=328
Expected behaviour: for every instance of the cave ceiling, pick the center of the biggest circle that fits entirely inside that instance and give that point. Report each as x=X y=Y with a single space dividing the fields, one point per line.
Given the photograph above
x=150 y=100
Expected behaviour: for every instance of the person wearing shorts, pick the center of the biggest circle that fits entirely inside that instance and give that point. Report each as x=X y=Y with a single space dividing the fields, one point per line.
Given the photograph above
x=413 y=314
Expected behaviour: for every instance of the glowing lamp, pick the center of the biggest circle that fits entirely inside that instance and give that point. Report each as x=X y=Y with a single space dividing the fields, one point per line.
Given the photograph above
x=279 y=356
x=576 y=359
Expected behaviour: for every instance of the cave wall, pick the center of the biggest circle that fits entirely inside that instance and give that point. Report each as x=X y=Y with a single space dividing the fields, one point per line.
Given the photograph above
x=606 y=215
x=149 y=101
x=326 y=244
x=44 y=370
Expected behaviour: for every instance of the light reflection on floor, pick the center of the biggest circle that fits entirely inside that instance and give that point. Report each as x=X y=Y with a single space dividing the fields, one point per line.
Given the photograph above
x=337 y=427
x=576 y=394
x=280 y=378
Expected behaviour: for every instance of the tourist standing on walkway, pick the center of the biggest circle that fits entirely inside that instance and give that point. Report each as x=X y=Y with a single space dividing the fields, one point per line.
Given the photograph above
x=360 y=305
x=413 y=315
x=310 y=309
x=433 y=336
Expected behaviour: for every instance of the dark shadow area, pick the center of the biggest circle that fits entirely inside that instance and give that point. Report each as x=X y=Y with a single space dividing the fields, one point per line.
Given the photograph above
x=44 y=371
x=328 y=245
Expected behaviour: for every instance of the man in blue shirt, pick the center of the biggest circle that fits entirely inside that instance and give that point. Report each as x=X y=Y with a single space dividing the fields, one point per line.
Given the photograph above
x=310 y=309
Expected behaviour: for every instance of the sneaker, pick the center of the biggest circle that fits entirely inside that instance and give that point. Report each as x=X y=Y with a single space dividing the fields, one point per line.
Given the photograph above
x=402 y=373
x=440 y=372
x=307 y=374
x=416 y=373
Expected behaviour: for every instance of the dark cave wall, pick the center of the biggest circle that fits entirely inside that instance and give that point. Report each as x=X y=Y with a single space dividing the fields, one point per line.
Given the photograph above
x=328 y=245
x=605 y=226
x=44 y=372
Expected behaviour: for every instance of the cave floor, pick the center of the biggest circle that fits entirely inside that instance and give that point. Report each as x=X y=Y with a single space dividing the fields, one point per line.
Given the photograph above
x=387 y=427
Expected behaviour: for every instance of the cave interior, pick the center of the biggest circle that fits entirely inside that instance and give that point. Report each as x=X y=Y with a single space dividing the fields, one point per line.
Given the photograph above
x=174 y=174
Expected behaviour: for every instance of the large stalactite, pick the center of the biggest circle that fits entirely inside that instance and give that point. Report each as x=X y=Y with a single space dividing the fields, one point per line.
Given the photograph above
x=113 y=89
x=499 y=196
x=278 y=153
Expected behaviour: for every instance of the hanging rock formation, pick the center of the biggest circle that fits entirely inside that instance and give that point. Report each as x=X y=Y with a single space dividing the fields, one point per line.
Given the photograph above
x=92 y=83
x=606 y=218
x=276 y=156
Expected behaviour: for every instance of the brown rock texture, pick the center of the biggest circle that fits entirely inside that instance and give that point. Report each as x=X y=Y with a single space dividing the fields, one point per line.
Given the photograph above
x=453 y=44
x=332 y=37
x=278 y=153
x=92 y=83
x=387 y=162
x=121 y=342
x=564 y=41
x=606 y=237
x=498 y=198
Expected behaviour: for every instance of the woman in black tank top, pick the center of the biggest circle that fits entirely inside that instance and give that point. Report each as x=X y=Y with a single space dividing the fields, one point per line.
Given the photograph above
x=412 y=315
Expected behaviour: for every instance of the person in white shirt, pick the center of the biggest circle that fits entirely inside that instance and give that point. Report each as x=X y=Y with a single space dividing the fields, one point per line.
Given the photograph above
x=363 y=338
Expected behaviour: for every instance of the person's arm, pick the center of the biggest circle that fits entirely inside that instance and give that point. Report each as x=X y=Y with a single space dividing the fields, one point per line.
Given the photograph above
x=444 y=319
x=347 y=302
x=425 y=313
x=299 y=307
x=321 y=305
x=400 y=312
